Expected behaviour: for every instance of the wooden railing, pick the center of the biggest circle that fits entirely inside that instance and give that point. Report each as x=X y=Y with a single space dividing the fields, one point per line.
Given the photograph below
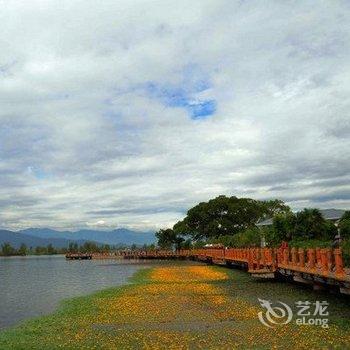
x=314 y=266
x=321 y=262
x=324 y=262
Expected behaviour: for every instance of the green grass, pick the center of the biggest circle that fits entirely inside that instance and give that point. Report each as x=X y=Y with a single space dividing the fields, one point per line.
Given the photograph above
x=250 y=289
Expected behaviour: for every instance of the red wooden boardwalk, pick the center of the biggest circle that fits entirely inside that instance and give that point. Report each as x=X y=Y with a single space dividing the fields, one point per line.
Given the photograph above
x=320 y=267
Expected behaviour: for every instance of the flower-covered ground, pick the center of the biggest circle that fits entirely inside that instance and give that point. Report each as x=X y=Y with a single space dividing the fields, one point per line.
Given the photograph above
x=183 y=306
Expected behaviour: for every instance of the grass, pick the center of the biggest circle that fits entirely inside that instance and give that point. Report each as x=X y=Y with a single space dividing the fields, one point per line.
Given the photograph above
x=182 y=307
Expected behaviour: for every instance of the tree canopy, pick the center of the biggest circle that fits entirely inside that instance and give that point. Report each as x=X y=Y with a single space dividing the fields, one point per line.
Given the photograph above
x=168 y=239
x=232 y=221
x=219 y=217
x=305 y=224
x=226 y=216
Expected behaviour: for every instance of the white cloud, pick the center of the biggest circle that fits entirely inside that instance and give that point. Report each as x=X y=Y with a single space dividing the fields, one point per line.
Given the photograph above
x=83 y=140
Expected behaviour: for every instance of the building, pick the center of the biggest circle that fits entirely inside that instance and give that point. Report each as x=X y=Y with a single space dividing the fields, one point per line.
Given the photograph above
x=333 y=215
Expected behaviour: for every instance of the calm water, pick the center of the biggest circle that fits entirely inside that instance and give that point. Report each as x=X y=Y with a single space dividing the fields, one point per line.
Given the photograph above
x=33 y=286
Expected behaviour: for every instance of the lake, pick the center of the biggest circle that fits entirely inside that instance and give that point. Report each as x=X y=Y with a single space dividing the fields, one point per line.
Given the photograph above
x=34 y=285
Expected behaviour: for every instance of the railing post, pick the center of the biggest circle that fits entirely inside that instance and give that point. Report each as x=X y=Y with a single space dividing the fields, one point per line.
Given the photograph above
x=286 y=256
x=279 y=256
x=318 y=258
x=255 y=256
x=268 y=255
x=339 y=267
x=262 y=257
x=301 y=258
x=329 y=259
x=250 y=259
x=294 y=257
x=324 y=262
x=311 y=258
x=274 y=258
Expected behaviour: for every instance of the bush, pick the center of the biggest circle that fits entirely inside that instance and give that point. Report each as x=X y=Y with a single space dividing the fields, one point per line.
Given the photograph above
x=198 y=244
x=248 y=238
x=346 y=252
x=310 y=243
x=225 y=240
x=306 y=224
x=283 y=227
x=272 y=237
x=344 y=225
x=311 y=224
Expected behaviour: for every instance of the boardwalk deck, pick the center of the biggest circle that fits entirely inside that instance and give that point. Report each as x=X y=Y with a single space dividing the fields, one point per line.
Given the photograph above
x=320 y=267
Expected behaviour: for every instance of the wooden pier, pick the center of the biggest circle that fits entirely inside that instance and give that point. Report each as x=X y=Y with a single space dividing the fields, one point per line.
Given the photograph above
x=79 y=256
x=322 y=268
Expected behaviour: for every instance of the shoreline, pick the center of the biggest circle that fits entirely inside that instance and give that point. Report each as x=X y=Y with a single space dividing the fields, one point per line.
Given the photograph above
x=62 y=305
x=35 y=286
x=172 y=306
x=68 y=306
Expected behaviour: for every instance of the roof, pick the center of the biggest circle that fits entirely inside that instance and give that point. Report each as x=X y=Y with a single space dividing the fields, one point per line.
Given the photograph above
x=266 y=222
x=332 y=214
x=328 y=214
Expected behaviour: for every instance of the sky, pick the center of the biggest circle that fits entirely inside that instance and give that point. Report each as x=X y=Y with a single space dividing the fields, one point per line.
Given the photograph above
x=126 y=113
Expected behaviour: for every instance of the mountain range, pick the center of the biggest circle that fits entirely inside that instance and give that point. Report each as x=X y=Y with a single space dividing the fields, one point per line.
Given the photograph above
x=33 y=237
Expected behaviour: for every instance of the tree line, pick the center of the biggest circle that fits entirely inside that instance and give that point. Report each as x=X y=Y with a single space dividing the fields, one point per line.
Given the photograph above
x=233 y=222
x=88 y=247
x=8 y=250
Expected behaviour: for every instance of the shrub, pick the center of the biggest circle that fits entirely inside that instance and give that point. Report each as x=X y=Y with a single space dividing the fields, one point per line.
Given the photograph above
x=311 y=224
x=248 y=238
x=310 y=243
x=344 y=225
x=346 y=252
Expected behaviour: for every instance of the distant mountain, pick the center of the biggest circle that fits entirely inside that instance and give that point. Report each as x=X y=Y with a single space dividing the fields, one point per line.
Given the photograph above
x=120 y=236
x=17 y=238
x=46 y=233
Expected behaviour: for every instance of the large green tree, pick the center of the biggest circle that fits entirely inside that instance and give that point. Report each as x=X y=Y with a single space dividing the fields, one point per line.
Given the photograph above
x=311 y=224
x=224 y=215
x=283 y=227
x=168 y=239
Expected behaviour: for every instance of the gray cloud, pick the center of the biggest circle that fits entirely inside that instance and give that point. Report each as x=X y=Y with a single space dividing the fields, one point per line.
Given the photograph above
x=84 y=139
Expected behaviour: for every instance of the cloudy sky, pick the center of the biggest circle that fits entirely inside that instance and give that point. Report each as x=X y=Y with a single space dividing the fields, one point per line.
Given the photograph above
x=126 y=113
